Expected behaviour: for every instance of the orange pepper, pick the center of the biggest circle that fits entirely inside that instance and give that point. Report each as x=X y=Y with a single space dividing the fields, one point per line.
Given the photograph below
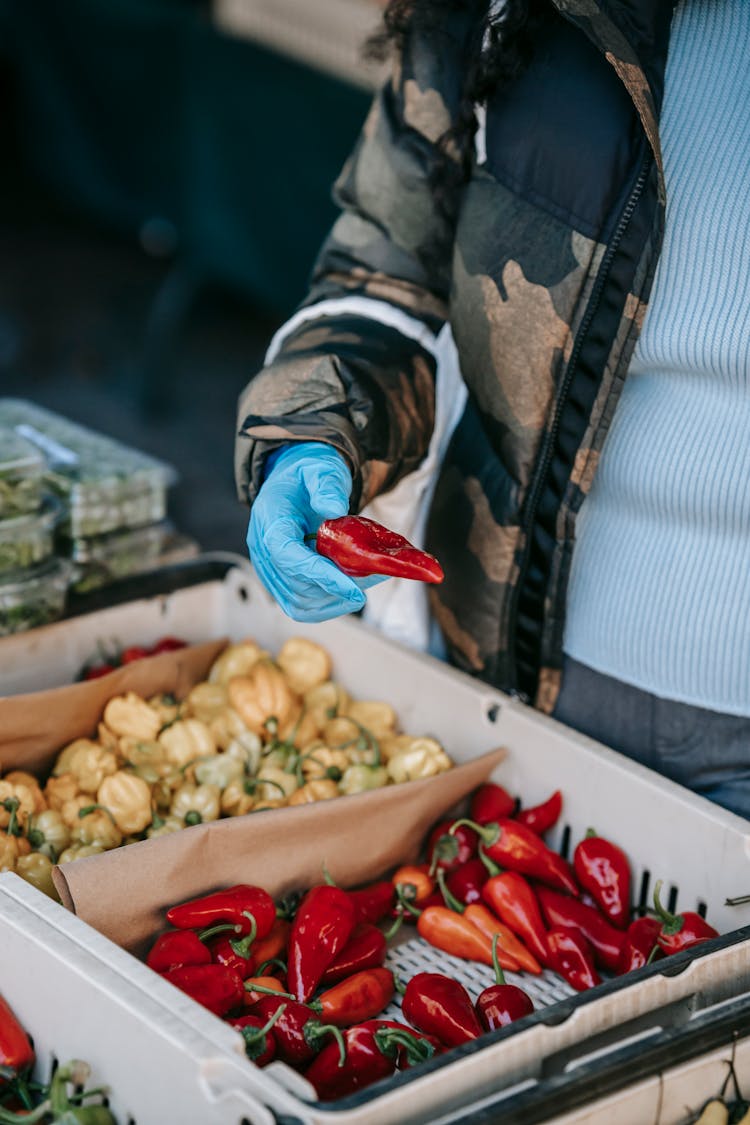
x=416 y=875
x=454 y=933
x=508 y=944
x=266 y=983
x=272 y=945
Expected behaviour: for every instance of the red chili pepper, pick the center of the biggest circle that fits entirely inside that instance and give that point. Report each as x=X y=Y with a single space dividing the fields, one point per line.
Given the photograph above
x=562 y=910
x=641 y=944
x=406 y=1057
x=94 y=671
x=223 y=952
x=214 y=986
x=502 y=1003
x=491 y=803
x=413 y=882
x=365 y=949
x=515 y=903
x=542 y=817
x=260 y=1045
x=177 y=947
x=256 y=988
x=360 y=997
x=442 y=1007
x=445 y=929
x=16 y=1052
x=573 y=958
x=371 y=1052
x=168 y=644
x=133 y=653
x=466 y=882
x=321 y=929
x=298 y=1031
x=512 y=953
x=517 y=848
x=447 y=849
x=360 y=547
x=681 y=931
x=250 y=909
x=603 y=870
x=273 y=945
x=373 y=903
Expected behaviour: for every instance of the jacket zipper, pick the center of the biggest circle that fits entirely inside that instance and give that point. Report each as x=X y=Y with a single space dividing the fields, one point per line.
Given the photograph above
x=549 y=445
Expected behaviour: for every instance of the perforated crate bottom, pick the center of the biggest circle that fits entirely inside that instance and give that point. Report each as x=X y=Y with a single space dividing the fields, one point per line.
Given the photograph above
x=414 y=956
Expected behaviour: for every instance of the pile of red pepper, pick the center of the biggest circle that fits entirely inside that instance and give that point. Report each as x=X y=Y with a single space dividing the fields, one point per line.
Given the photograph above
x=306 y=982
x=106 y=662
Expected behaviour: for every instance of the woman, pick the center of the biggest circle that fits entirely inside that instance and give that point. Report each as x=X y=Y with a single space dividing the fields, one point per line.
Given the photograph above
x=521 y=178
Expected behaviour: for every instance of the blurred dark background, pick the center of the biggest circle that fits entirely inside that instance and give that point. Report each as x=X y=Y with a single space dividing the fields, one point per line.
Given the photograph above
x=165 y=186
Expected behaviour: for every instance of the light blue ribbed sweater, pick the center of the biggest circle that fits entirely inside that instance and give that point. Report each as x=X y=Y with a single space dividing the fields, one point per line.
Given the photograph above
x=659 y=595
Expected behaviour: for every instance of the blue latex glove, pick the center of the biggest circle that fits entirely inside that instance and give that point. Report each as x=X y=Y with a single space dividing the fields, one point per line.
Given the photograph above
x=307 y=483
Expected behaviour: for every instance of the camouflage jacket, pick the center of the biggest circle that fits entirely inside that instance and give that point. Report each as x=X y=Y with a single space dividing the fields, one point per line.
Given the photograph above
x=543 y=273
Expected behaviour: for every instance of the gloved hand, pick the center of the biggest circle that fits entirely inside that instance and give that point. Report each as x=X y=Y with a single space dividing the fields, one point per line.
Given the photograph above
x=308 y=482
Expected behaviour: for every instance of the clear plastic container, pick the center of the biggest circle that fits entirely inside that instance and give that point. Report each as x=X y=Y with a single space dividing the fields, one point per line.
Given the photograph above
x=33 y=597
x=105 y=485
x=101 y=559
x=21 y=469
x=29 y=539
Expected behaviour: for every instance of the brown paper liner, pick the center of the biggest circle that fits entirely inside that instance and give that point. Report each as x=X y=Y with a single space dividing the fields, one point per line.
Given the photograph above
x=124 y=893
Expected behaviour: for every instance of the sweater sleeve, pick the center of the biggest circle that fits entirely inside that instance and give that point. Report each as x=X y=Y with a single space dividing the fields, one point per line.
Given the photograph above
x=355 y=365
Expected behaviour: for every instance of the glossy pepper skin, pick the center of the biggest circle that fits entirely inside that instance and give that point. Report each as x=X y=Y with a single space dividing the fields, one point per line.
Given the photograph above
x=223 y=952
x=177 y=947
x=374 y=902
x=427 y=1045
x=249 y=908
x=572 y=957
x=372 y=1051
x=16 y=1052
x=540 y=818
x=365 y=949
x=360 y=547
x=514 y=901
x=258 y=987
x=502 y=1003
x=641 y=944
x=448 y=850
x=511 y=952
x=452 y=933
x=680 y=931
x=260 y=1045
x=513 y=846
x=299 y=1032
x=442 y=1007
x=490 y=803
x=360 y=997
x=321 y=930
x=272 y=945
x=562 y=910
x=214 y=986
x=602 y=869
x=466 y=882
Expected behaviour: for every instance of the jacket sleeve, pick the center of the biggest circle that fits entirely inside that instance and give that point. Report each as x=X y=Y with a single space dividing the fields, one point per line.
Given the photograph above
x=355 y=365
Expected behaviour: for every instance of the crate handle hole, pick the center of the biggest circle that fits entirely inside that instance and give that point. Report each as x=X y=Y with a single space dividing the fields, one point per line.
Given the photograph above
x=243 y=593
x=702 y=909
x=673 y=892
x=565 y=842
x=643 y=897
x=493 y=712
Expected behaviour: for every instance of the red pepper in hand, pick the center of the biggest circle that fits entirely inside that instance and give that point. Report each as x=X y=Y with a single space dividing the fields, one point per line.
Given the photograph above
x=360 y=547
x=177 y=947
x=358 y=998
x=448 y=849
x=562 y=910
x=603 y=870
x=374 y=902
x=250 y=909
x=442 y=1007
x=681 y=931
x=515 y=903
x=540 y=818
x=260 y=1045
x=517 y=848
x=445 y=929
x=491 y=803
x=371 y=1053
x=321 y=929
x=466 y=882
x=365 y=949
x=16 y=1052
x=502 y=1003
x=214 y=986
x=641 y=944
x=573 y=958
x=298 y=1031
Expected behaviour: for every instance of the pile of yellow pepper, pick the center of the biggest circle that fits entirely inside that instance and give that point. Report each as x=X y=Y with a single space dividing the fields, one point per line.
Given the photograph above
x=257 y=734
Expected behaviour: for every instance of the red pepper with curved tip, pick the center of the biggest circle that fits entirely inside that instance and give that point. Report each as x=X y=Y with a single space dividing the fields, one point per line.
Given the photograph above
x=442 y=1007
x=374 y=902
x=514 y=901
x=214 y=986
x=540 y=818
x=250 y=909
x=680 y=931
x=260 y=1045
x=360 y=547
x=562 y=910
x=502 y=1003
x=298 y=1031
x=372 y=1050
x=490 y=803
x=360 y=997
x=641 y=944
x=365 y=949
x=513 y=846
x=446 y=849
x=321 y=929
x=452 y=933
x=16 y=1052
x=466 y=882
x=177 y=947
x=573 y=958
x=512 y=953
x=603 y=870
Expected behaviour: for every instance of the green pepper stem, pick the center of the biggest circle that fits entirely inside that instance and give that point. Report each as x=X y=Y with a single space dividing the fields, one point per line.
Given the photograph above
x=320 y=1029
x=88 y=809
x=417 y=1048
x=499 y=974
x=10 y=804
x=256 y=1033
x=652 y=954
x=590 y=833
x=395 y=926
x=448 y=897
x=672 y=923
x=25 y=1118
x=327 y=877
x=271 y=961
x=489 y=834
x=403 y=902
x=251 y=987
x=220 y=928
x=490 y=864
x=398 y=984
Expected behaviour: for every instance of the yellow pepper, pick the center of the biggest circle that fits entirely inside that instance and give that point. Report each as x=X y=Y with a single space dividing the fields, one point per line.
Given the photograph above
x=186 y=740
x=327 y=701
x=341 y=733
x=274 y=784
x=16 y=804
x=206 y=701
x=425 y=758
x=96 y=827
x=166 y=706
x=79 y=851
x=130 y=715
x=88 y=762
x=322 y=762
x=128 y=798
x=71 y=809
x=11 y=849
x=165 y=827
x=263 y=699
x=195 y=804
x=270 y=804
x=376 y=717
x=60 y=789
x=236 y=660
x=48 y=833
x=300 y=729
x=107 y=738
x=22 y=777
x=238 y=798
x=140 y=754
x=360 y=777
x=218 y=770
x=304 y=663
x=36 y=869
x=314 y=791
